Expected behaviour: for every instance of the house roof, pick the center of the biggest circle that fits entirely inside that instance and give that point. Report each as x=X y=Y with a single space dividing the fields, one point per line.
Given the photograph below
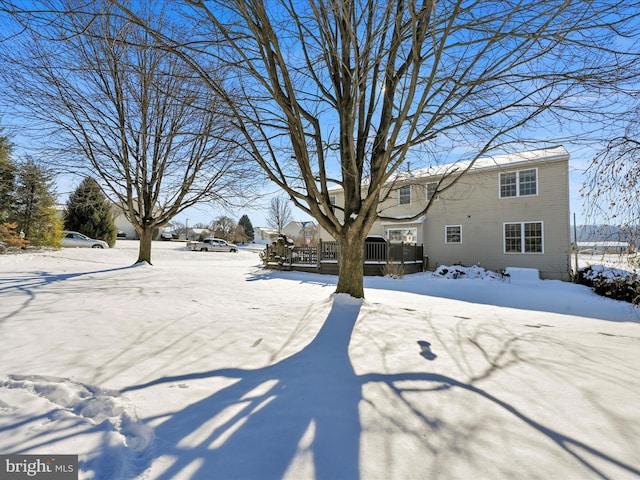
x=605 y=243
x=401 y=219
x=508 y=160
x=298 y=223
x=266 y=229
x=496 y=161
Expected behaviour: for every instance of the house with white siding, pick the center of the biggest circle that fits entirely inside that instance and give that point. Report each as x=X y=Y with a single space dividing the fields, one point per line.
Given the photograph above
x=505 y=211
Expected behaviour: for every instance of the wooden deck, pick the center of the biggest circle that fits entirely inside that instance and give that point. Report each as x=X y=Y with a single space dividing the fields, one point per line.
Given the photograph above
x=381 y=258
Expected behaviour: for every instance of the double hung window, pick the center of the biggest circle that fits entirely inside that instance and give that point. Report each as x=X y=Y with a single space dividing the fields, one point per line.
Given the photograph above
x=519 y=183
x=523 y=237
x=453 y=234
x=431 y=190
x=333 y=201
x=404 y=195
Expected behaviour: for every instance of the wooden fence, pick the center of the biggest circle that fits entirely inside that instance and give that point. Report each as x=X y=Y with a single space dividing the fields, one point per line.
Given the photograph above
x=324 y=258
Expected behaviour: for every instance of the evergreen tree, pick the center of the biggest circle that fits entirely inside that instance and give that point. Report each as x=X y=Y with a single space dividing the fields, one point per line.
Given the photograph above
x=89 y=212
x=248 y=227
x=7 y=179
x=34 y=210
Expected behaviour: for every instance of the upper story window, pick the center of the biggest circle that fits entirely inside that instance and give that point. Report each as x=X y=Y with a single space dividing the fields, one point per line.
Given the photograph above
x=332 y=199
x=404 y=195
x=431 y=190
x=519 y=183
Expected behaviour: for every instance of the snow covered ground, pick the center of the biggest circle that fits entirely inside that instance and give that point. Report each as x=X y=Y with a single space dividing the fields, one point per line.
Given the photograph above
x=205 y=366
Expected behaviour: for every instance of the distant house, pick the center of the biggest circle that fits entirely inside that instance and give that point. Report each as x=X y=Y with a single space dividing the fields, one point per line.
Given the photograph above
x=301 y=232
x=61 y=210
x=124 y=226
x=506 y=211
x=603 y=247
x=127 y=230
x=264 y=235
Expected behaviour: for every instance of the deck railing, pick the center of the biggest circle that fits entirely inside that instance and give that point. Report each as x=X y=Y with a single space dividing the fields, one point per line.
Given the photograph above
x=375 y=252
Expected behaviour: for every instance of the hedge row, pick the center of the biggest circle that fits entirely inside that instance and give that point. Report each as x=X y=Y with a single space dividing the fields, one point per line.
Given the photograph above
x=612 y=283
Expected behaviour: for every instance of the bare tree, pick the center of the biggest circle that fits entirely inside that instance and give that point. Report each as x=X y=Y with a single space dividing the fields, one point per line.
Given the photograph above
x=132 y=114
x=177 y=227
x=390 y=76
x=240 y=235
x=612 y=189
x=331 y=92
x=279 y=213
x=224 y=227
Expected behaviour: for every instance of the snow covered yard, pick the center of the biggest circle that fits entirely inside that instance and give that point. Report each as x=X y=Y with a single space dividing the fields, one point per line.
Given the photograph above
x=205 y=366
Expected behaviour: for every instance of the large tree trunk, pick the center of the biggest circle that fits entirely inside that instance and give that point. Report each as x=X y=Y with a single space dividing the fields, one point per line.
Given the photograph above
x=144 y=252
x=351 y=264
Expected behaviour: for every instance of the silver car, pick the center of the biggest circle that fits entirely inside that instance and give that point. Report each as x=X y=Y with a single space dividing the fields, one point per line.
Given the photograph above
x=76 y=239
x=213 y=245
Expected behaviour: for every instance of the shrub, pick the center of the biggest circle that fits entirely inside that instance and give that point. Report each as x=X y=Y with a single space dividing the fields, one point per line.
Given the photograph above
x=9 y=239
x=612 y=283
x=474 y=271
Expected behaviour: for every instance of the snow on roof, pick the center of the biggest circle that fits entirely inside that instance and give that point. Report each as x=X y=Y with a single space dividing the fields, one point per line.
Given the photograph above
x=495 y=161
x=490 y=161
x=606 y=243
x=402 y=217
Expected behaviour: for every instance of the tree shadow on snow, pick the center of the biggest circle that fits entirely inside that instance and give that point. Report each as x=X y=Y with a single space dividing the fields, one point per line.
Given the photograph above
x=307 y=406
x=36 y=280
x=28 y=285
x=262 y=274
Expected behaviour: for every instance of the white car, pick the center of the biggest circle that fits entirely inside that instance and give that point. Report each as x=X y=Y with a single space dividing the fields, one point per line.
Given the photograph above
x=213 y=245
x=76 y=239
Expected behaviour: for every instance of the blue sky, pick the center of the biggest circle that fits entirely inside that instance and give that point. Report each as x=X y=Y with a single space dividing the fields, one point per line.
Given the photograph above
x=258 y=211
